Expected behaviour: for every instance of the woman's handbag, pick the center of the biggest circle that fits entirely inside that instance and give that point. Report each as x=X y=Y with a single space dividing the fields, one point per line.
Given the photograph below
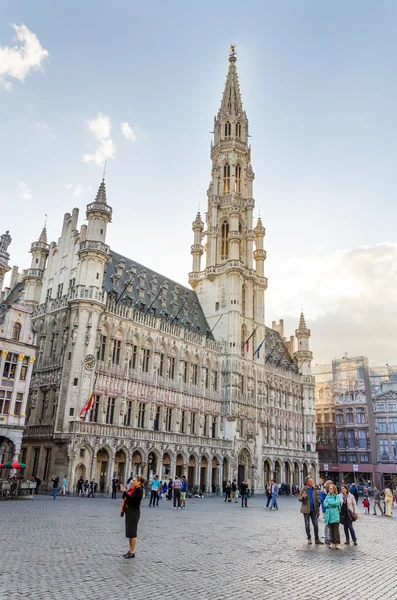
x=352 y=515
x=123 y=507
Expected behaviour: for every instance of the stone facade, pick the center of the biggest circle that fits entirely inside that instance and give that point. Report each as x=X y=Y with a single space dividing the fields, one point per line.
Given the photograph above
x=17 y=355
x=184 y=381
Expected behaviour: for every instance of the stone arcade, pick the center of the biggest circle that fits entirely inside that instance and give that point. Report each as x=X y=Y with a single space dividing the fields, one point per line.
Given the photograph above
x=185 y=380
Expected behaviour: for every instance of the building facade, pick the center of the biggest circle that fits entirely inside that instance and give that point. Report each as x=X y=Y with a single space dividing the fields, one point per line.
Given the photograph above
x=325 y=417
x=385 y=413
x=17 y=356
x=183 y=381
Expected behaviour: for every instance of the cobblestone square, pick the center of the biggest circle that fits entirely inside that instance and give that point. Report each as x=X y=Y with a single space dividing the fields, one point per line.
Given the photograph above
x=72 y=548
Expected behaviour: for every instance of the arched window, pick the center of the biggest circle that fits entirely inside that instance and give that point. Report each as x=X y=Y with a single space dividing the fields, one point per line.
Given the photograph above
x=16 y=331
x=226 y=178
x=228 y=129
x=238 y=131
x=225 y=241
x=238 y=180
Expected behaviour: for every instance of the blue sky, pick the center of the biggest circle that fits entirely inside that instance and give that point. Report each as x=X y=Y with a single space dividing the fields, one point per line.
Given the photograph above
x=319 y=86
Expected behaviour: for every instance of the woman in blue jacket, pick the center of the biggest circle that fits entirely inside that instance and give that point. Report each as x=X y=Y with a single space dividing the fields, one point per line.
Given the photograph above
x=332 y=505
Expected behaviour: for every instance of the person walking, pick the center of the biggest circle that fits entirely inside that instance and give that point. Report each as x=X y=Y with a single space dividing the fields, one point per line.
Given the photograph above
x=92 y=488
x=228 y=492
x=177 y=486
x=244 y=494
x=234 y=491
x=348 y=514
x=131 y=511
x=86 y=487
x=377 y=497
x=388 y=500
x=55 y=483
x=310 y=509
x=274 y=490
x=184 y=490
x=354 y=491
x=268 y=490
x=332 y=505
x=80 y=484
x=154 y=491
x=64 y=484
x=115 y=483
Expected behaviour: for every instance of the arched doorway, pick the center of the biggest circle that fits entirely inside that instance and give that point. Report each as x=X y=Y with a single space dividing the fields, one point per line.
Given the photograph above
x=305 y=472
x=119 y=466
x=266 y=472
x=136 y=464
x=203 y=473
x=7 y=450
x=215 y=475
x=179 y=466
x=225 y=470
x=191 y=471
x=166 y=466
x=313 y=471
x=244 y=467
x=287 y=473
x=101 y=469
x=296 y=473
x=277 y=472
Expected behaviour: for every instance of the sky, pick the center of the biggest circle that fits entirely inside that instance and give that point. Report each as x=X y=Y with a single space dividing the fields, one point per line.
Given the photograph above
x=138 y=84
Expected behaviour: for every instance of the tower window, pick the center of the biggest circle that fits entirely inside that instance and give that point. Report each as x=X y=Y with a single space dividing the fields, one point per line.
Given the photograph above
x=237 y=184
x=101 y=231
x=16 y=331
x=226 y=178
x=238 y=131
x=225 y=241
x=228 y=129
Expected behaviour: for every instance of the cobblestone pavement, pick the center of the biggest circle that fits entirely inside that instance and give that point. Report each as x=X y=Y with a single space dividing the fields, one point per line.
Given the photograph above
x=72 y=548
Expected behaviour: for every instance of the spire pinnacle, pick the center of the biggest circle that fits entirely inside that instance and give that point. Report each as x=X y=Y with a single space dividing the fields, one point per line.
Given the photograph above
x=231 y=100
x=101 y=194
x=302 y=322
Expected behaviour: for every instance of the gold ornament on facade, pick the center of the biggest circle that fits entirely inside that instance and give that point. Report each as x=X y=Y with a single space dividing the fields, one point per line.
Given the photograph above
x=4 y=353
x=32 y=359
x=21 y=357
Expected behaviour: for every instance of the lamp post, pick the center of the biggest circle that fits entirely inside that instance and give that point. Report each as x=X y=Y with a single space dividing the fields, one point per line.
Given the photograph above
x=149 y=468
x=253 y=481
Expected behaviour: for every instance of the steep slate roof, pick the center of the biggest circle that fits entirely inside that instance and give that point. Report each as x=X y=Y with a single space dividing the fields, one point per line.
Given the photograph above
x=12 y=297
x=276 y=351
x=175 y=303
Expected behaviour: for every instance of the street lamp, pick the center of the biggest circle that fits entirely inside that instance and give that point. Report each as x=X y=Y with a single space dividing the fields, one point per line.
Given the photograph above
x=253 y=481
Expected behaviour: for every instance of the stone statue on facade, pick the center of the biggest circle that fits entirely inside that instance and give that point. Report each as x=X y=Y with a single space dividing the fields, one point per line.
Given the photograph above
x=5 y=241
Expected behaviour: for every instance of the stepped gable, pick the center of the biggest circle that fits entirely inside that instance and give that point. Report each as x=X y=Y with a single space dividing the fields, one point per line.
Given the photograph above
x=175 y=303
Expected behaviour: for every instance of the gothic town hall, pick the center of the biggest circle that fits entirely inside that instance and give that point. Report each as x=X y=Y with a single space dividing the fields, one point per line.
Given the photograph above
x=183 y=380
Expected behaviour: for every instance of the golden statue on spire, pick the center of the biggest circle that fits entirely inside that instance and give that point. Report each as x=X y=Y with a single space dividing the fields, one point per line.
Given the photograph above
x=232 y=50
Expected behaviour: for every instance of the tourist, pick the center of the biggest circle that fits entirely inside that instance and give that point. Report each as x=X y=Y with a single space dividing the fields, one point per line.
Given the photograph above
x=131 y=510
x=115 y=483
x=354 y=491
x=38 y=483
x=154 y=491
x=177 y=486
x=244 y=494
x=322 y=497
x=310 y=509
x=86 y=488
x=228 y=492
x=64 y=484
x=165 y=489
x=388 y=500
x=274 y=491
x=184 y=490
x=377 y=497
x=268 y=494
x=169 y=492
x=348 y=514
x=55 y=482
x=80 y=485
x=224 y=482
x=366 y=506
x=332 y=505
x=234 y=491
x=92 y=488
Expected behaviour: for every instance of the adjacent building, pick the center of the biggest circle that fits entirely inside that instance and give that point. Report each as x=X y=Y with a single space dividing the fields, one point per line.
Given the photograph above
x=181 y=380
x=17 y=356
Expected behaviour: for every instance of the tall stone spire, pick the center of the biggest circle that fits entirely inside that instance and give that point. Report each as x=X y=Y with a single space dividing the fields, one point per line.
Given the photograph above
x=231 y=99
x=101 y=194
x=43 y=235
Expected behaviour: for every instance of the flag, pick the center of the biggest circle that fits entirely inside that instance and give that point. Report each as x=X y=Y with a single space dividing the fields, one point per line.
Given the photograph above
x=88 y=405
x=247 y=346
x=257 y=351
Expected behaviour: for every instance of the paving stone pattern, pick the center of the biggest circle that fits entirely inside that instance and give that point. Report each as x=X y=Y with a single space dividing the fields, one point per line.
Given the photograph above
x=72 y=548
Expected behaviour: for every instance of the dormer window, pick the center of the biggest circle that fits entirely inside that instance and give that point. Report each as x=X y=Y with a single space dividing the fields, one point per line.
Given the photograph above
x=16 y=332
x=228 y=129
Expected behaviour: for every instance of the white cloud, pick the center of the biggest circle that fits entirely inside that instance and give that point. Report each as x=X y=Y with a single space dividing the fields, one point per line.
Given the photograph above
x=127 y=131
x=18 y=61
x=23 y=191
x=100 y=127
x=349 y=301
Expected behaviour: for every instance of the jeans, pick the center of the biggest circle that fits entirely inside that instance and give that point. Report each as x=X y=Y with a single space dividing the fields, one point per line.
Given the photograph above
x=274 y=501
x=326 y=532
x=54 y=492
x=269 y=499
x=377 y=504
x=154 y=498
x=114 y=493
x=348 y=527
x=311 y=516
x=177 y=498
x=244 y=500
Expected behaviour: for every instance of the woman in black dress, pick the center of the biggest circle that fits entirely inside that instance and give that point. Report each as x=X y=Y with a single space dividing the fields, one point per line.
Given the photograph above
x=131 y=511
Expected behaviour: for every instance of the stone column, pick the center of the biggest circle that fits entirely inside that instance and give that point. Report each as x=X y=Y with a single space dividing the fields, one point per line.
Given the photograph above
x=208 y=485
x=16 y=380
x=27 y=385
x=2 y=361
x=111 y=466
x=198 y=470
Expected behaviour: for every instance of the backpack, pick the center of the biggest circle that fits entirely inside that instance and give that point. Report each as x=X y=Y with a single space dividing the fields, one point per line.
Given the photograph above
x=184 y=485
